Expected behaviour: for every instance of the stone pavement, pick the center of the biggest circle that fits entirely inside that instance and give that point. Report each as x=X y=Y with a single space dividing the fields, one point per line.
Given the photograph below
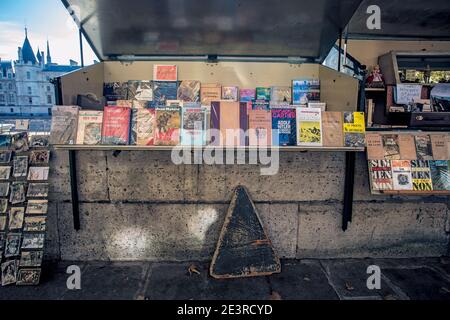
x=402 y=279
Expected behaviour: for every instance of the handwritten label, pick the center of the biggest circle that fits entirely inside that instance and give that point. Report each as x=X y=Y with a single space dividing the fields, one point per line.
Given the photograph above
x=407 y=93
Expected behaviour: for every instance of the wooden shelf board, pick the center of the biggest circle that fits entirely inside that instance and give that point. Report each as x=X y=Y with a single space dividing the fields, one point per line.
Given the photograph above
x=170 y=148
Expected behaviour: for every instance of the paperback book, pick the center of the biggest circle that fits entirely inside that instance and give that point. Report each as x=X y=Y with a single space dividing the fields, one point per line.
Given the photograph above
x=90 y=127
x=165 y=73
x=305 y=90
x=332 y=125
x=210 y=92
x=440 y=146
x=189 y=91
x=309 y=127
x=381 y=177
x=423 y=147
x=194 y=125
x=229 y=122
x=143 y=127
x=260 y=127
x=247 y=95
x=440 y=175
x=421 y=175
x=113 y=91
x=116 y=126
x=391 y=147
x=407 y=147
x=375 y=149
x=168 y=124
x=263 y=93
x=64 y=125
x=281 y=94
x=284 y=127
x=163 y=91
x=141 y=90
x=402 y=175
x=260 y=105
x=230 y=94
x=354 y=129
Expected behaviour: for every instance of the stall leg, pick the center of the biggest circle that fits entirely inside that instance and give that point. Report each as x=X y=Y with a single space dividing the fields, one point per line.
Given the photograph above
x=350 y=158
x=74 y=189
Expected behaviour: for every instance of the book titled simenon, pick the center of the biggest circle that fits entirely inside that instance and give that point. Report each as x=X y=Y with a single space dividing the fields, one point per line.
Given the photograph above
x=210 y=92
x=440 y=175
x=64 y=125
x=143 y=127
x=229 y=122
x=194 y=120
x=90 y=127
x=116 y=126
x=332 y=125
x=260 y=128
x=402 y=175
x=189 y=91
x=421 y=175
x=309 y=127
x=168 y=124
x=354 y=129
x=165 y=73
x=284 y=127
x=381 y=177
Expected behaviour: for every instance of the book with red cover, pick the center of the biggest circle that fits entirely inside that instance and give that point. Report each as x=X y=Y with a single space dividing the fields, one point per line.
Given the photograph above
x=227 y=116
x=260 y=127
x=116 y=126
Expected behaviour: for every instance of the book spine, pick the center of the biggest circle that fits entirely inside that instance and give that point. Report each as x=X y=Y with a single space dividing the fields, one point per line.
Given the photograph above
x=215 y=122
x=243 y=115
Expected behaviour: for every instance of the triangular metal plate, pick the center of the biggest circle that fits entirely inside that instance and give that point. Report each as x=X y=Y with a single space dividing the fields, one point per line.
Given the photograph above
x=244 y=249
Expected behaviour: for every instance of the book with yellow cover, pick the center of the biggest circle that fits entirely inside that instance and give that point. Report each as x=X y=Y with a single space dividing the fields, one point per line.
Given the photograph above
x=354 y=129
x=309 y=127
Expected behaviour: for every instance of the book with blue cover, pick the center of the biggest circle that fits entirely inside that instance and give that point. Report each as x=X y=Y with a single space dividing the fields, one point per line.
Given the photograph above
x=440 y=175
x=163 y=91
x=305 y=90
x=284 y=127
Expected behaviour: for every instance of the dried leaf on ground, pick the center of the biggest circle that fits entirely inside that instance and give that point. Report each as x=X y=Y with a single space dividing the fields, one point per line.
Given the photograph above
x=193 y=270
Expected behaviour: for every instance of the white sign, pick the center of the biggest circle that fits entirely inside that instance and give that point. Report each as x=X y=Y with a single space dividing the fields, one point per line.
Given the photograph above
x=407 y=93
x=22 y=125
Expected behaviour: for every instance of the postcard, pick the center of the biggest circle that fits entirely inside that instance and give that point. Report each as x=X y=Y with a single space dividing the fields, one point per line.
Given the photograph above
x=3 y=205
x=35 y=224
x=38 y=190
x=5 y=157
x=5 y=173
x=31 y=258
x=16 y=216
x=28 y=277
x=40 y=157
x=17 y=193
x=33 y=241
x=20 y=167
x=38 y=174
x=37 y=207
x=12 y=245
x=4 y=189
x=9 y=273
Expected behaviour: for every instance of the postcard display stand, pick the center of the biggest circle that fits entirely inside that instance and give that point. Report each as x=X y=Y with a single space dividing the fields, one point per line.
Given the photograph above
x=24 y=169
x=409 y=163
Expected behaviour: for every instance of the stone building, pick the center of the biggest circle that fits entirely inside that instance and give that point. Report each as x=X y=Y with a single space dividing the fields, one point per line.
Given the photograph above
x=27 y=89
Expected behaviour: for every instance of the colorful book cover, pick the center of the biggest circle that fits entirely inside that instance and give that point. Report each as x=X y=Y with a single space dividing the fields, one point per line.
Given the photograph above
x=165 y=73
x=281 y=94
x=260 y=105
x=407 y=147
x=421 y=175
x=423 y=147
x=375 y=149
x=260 y=127
x=284 y=127
x=210 y=92
x=332 y=125
x=143 y=127
x=309 y=127
x=113 y=91
x=141 y=90
x=354 y=129
x=439 y=145
x=189 y=91
x=230 y=94
x=194 y=125
x=163 y=91
x=402 y=175
x=230 y=119
x=391 y=147
x=440 y=175
x=263 y=93
x=381 y=177
x=64 y=125
x=168 y=125
x=305 y=90
x=116 y=126
x=247 y=95
x=90 y=127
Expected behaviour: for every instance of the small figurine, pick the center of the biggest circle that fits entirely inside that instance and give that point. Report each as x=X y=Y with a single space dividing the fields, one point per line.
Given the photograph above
x=375 y=79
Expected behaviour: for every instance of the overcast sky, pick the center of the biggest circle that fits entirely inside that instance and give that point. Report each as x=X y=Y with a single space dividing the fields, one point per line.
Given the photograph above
x=44 y=19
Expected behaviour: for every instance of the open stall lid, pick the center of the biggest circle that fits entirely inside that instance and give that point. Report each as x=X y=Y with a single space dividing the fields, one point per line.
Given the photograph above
x=400 y=19
x=147 y=29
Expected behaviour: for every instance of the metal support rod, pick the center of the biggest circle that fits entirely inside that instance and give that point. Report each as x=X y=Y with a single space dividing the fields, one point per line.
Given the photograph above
x=350 y=158
x=74 y=189
x=81 y=49
x=340 y=49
